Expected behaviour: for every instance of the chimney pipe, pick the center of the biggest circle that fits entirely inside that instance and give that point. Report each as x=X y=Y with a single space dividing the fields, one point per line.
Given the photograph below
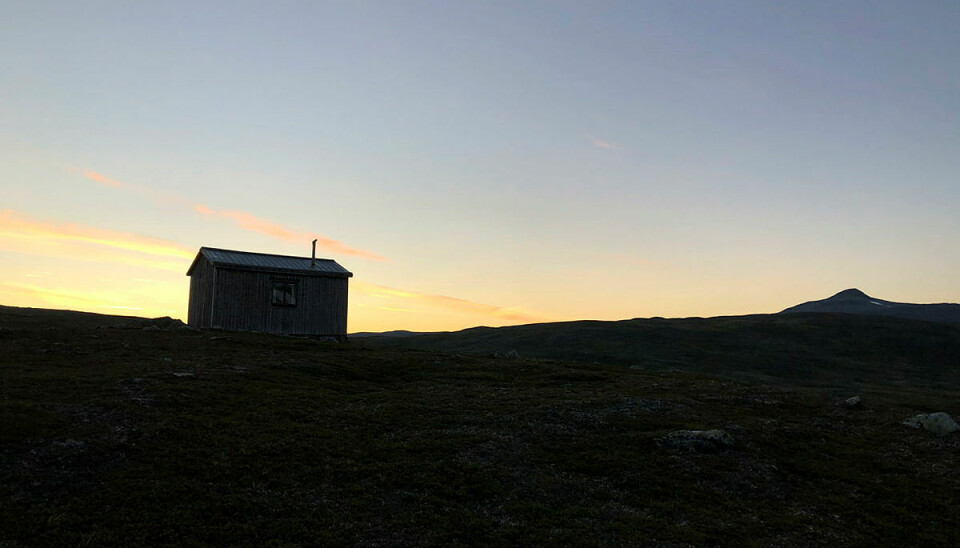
x=313 y=256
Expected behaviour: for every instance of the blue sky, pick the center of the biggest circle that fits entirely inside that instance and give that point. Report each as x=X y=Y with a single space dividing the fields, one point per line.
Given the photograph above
x=529 y=160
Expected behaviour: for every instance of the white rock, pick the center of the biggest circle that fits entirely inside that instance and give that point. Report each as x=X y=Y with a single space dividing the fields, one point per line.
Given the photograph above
x=852 y=402
x=940 y=424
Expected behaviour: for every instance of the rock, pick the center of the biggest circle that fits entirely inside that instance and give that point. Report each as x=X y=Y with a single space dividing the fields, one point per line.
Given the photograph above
x=328 y=340
x=940 y=424
x=181 y=374
x=508 y=355
x=852 y=402
x=698 y=440
x=166 y=322
x=71 y=444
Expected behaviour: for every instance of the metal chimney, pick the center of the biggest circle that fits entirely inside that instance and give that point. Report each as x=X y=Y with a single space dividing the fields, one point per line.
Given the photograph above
x=313 y=255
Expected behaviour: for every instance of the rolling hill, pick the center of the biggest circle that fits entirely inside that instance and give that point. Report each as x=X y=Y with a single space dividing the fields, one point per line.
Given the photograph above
x=815 y=349
x=854 y=301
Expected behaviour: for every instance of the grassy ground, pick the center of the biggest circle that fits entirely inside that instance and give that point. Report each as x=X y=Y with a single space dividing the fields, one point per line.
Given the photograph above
x=121 y=435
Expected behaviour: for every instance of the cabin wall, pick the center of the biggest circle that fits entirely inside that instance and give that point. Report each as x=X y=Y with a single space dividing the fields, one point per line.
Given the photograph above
x=201 y=294
x=243 y=303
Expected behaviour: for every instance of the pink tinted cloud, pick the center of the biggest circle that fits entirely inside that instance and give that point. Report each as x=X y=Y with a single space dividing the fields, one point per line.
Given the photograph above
x=155 y=195
x=253 y=223
x=94 y=176
x=244 y=220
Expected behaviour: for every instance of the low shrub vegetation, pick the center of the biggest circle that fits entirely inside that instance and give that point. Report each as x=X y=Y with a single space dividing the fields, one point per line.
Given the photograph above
x=112 y=433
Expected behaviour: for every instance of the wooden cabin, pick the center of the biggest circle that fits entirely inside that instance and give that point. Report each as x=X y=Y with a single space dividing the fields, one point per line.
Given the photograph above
x=241 y=291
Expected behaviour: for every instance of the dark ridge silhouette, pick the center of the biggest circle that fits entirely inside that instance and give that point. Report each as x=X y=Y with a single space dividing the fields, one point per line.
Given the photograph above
x=854 y=301
x=395 y=333
x=819 y=349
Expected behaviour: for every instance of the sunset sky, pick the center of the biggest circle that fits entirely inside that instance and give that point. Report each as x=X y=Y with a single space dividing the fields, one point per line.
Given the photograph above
x=484 y=163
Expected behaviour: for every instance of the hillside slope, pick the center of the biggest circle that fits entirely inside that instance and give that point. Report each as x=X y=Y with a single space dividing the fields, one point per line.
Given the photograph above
x=810 y=349
x=854 y=301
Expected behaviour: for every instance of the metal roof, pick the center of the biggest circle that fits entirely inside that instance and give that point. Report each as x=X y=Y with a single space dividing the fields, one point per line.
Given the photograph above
x=274 y=263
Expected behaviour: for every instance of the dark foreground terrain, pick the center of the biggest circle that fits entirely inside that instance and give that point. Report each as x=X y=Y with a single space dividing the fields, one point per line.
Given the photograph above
x=120 y=431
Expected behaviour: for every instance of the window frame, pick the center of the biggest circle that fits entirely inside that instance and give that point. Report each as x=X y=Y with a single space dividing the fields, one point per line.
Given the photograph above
x=289 y=298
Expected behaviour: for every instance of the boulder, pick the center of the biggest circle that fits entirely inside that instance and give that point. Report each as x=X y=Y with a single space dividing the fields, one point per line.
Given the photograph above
x=852 y=402
x=153 y=324
x=940 y=424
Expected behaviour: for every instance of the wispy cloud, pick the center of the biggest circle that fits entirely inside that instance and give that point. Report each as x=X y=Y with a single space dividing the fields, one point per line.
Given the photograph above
x=15 y=225
x=54 y=296
x=159 y=196
x=396 y=309
x=245 y=220
x=450 y=303
x=600 y=143
x=276 y=230
x=94 y=176
x=93 y=300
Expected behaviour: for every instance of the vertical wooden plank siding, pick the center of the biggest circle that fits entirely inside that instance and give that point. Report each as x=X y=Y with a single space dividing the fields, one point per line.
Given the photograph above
x=243 y=303
x=201 y=294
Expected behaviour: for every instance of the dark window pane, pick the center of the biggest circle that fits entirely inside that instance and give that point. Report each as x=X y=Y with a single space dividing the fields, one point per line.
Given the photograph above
x=284 y=294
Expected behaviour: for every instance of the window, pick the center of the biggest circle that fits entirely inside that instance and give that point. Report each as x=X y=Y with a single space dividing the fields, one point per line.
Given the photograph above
x=284 y=294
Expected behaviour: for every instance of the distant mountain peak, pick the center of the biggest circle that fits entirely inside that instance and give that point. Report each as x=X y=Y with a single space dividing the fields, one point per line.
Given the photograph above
x=854 y=301
x=852 y=294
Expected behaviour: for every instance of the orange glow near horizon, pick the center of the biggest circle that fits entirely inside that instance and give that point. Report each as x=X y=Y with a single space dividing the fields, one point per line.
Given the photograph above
x=152 y=281
x=431 y=301
x=383 y=311
x=14 y=225
x=63 y=265
x=148 y=278
x=91 y=269
x=118 y=297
